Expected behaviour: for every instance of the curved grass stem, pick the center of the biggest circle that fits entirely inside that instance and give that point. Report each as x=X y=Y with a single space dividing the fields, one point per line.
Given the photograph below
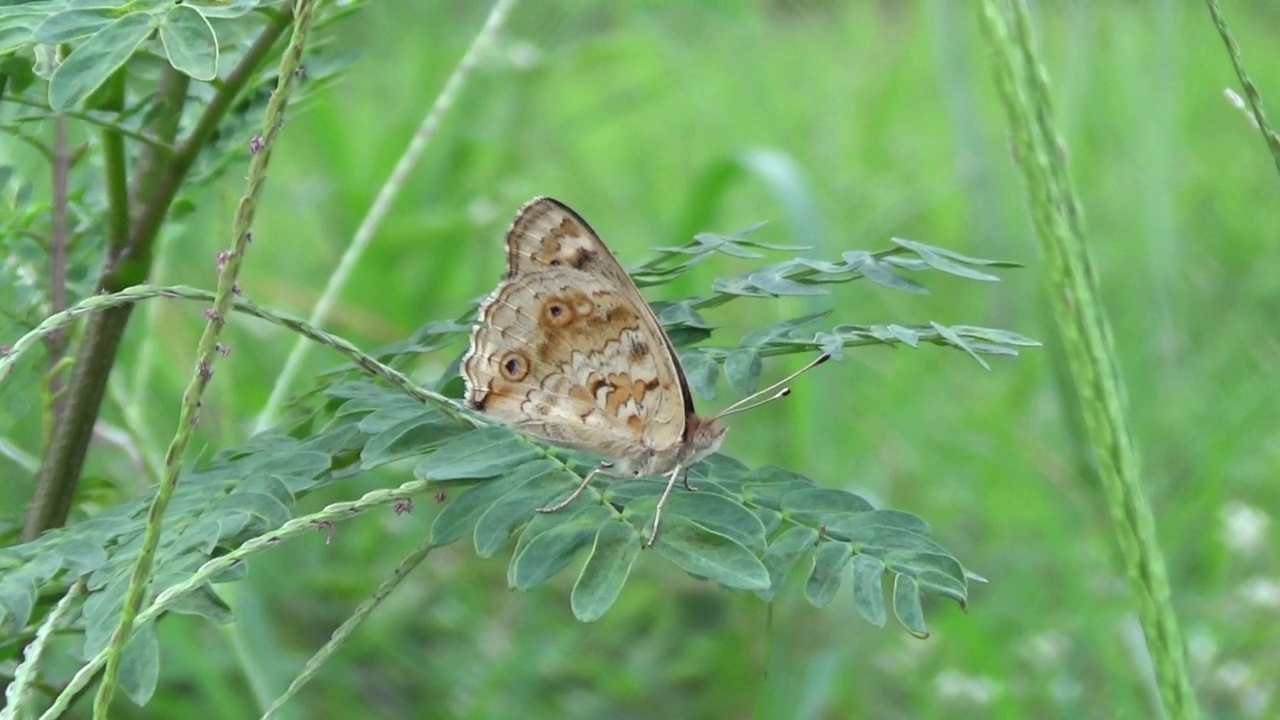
x=411 y=561
x=1040 y=154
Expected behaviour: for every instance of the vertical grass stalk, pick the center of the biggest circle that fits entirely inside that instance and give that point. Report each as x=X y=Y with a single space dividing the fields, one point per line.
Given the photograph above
x=188 y=414
x=1251 y=93
x=382 y=204
x=1059 y=224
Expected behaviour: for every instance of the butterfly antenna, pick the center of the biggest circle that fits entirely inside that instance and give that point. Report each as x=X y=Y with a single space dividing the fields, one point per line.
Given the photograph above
x=753 y=400
x=739 y=407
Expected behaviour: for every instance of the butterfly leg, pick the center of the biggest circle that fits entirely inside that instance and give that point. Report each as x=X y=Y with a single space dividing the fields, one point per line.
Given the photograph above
x=657 y=512
x=574 y=495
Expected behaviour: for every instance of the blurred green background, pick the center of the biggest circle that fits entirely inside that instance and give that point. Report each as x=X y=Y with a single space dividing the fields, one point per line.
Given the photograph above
x=843 y=124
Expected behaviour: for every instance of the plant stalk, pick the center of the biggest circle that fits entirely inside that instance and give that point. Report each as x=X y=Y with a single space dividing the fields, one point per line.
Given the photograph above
x=157 y=179
x=1040 y=154
x=189 y=413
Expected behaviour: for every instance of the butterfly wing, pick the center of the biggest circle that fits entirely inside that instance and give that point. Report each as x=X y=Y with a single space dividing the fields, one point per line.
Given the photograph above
x=569 y=351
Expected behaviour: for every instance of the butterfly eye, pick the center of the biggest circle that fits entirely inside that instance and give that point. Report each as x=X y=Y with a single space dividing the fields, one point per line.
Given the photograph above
x=556 y=312
x=514 y=366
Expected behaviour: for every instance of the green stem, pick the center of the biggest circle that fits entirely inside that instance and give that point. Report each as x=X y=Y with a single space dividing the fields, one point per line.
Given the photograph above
x=64 y=456
x=22 y=689
x=114 y=171
x=58 y=243
x=56 y=480
x=189 y=412
x=411 y=561
x=1090 y=348
x=1254 y=97
x=137 y=293
x=158 y=177
x=106 y=122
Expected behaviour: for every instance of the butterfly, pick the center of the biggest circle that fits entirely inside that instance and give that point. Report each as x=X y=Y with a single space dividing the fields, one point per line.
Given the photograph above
x=567 y=351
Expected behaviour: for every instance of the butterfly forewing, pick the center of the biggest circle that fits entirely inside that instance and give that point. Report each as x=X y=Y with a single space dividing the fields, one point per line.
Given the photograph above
x=568 y=350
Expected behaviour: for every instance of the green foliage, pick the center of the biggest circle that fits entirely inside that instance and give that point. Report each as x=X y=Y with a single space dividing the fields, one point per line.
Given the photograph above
x=744 y=529
x=842 y=124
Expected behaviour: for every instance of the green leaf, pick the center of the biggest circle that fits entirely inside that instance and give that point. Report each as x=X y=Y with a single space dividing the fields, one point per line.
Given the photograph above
x=479 y=454
x=935 y=572
x=868 y=594
x=548 y=552
x=906 y=605
x=954 y=339
x=701 y=372
x=742 y=369
x=880 y=540
x=817 y=505
x=271 y=512
x=410 y=437
x=847 y=524
x=710 y=554
x=939 y=261
x=617 y=545
x=17 y=598
x=783 y=329
x=719 y=514
x=69 y=25
x=15 y=32
x=679 y=314
x=727 y=245
x=291 y=461
x=102 y=613
x=905 y=334
x=877 y=272
x=189 y=43
x=922 y=248
x=829 y=561
x=140 y=664
x=386 y=417
x=771 y=519
x=1001 y=337
x=93 y=61
x=623 y=492
x=42 y=567
x=267 y=485
x=459 y=517
x=772 y=282
x=205 y=603
x=496 y=524
x=767 y=485
x=201 y=536
x=782 y=555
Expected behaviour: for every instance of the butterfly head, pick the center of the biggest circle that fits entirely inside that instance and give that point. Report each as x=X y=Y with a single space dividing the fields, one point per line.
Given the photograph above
x=702 y=436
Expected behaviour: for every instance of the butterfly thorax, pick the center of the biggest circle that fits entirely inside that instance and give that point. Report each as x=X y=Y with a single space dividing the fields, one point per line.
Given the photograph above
x=701 y=438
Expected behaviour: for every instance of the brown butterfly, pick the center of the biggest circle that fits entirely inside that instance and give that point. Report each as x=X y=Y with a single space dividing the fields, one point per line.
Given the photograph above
x=568 y=351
